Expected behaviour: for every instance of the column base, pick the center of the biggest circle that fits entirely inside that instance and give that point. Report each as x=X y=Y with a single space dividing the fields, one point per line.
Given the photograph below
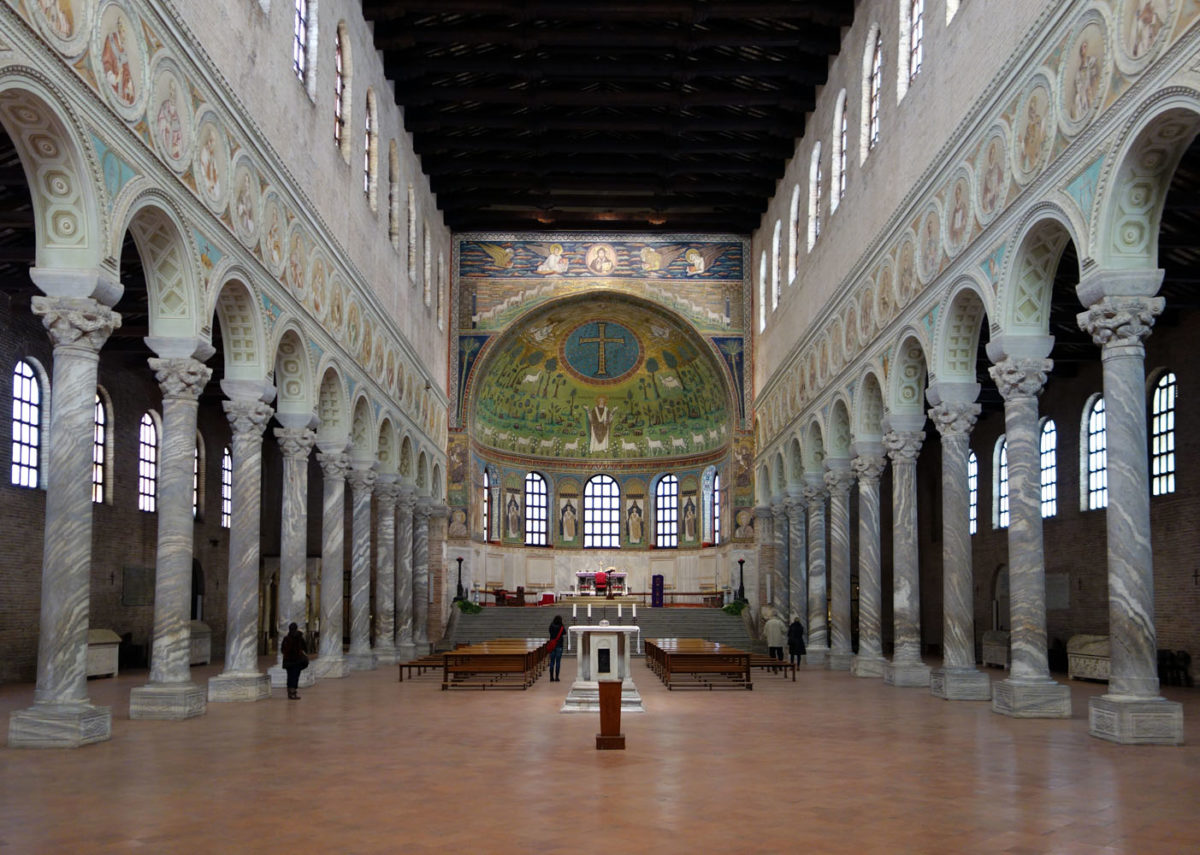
x=906 y=675
x=406 y=650
x=59 y=726
x=817 y=656
x=361 y=661
x=278 y=676
x=423 y=646
x=387 y=655
x=960 y=684
x=1040 y=699
x=331 y=667
x=839 y=660
x=867 y=666
x=239 y=687
x=1135 y=721
x=167 y=702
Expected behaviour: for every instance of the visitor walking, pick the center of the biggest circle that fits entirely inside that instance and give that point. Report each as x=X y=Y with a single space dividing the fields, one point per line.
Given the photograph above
x=295 y=660
x=557 y=631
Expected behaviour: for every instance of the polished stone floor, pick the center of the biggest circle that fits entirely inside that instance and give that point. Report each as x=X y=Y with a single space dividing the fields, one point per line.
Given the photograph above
x=827 y=764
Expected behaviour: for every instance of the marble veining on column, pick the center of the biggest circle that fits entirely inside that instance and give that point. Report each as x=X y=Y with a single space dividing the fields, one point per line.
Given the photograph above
x=404 y=573
x=797 y=561
x=818 y=626
x=362 y=483
x=387 y=491
x=1131 y=711
x=62 y=716
x=241 y=680
x=958 y=678
x=869 y=661
x=906 y=667
x=334 y=464
x=421 y=574
x=838 y=479
x=780 y=593
x=764 y=530
x=1028 y=692
x=171 y=694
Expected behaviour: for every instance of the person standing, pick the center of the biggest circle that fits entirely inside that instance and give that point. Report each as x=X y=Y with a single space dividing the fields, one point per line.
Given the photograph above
x=295 y=659
x=557 y=631
x=795 y=637
x=776 y=632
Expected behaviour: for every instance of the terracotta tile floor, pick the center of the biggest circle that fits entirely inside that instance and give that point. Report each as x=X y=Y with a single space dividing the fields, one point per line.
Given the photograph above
x=827 y=764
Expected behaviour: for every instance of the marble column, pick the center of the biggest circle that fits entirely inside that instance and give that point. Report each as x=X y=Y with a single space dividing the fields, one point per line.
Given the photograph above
x=797 y=559
x=958 y=679
x=780 y=587
x=292 y=601
x=362 y=484
x=818 y=607
x=868 y=466
x=1131 y=711
x=171 y=694
x=241 y=680
x=906 y=668
x=838 y=479
x=404 y=573
x=1028 y=692
x=764 y=528
x=424 y=507
x=387 y=491
x=62 y=716
x=439 y=519
x=331 y=663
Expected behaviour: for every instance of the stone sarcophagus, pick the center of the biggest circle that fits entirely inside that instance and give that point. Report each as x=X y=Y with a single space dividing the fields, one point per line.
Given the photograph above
x=1088 y=657
x=102 y=651
x=995 y=648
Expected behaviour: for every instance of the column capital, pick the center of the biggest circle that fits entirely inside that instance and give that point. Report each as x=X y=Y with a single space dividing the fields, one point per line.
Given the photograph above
x=903 y=446
x=247 y=418
x=1020 y=377
x=76 y=321
x=180 y=378
x=955 y=418
x=764 y=512
x=334 y=464
x=406 y=499
x=362 y=477
x=295 y=442
x=795 y=506
x=423 y=507
x=439 y=511
x=779 y=510
x=387 y=489
x=1120 y=321
x=815 y=494
x=869 y=467
x=838 y=479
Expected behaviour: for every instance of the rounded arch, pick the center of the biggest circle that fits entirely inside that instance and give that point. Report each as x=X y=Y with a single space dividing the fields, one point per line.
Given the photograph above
x=1027 y=281
x=838 y=444
x=814 y=447
x=173 y=287
x=242 y=334
x=405 y=462
x=868 y=409
x=63 y=177
x=763 y=485
x=362 y=433
x=423 y=474
x=778 y=474
x=1130 y=202
x=293 y=374
x=956 y=340
x=386 y=450
x=435 y=483
x=332 y=407
x=906 y=386
x=796 y=456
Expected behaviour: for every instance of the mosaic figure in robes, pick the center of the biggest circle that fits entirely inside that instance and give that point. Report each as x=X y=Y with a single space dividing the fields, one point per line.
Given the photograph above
x=114 y=59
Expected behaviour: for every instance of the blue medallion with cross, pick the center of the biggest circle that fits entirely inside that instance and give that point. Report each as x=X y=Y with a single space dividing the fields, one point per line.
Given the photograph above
x=602 y=351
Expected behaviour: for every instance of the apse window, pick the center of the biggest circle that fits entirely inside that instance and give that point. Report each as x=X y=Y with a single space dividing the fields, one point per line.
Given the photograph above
x=537 y=510
x=666 y=512
x=601 y=513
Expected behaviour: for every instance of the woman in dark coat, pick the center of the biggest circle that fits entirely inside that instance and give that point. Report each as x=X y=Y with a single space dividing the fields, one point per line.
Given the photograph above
x=558 y=634
x=796 y=640
x=295 y=660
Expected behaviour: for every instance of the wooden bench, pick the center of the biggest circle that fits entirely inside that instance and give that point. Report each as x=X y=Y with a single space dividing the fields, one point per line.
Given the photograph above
x=421 y=665
x=512 y=663
x=770 y=663
x=696 y=663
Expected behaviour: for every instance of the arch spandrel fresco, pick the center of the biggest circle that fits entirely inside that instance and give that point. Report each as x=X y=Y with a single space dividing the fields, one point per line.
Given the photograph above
x=600 y=377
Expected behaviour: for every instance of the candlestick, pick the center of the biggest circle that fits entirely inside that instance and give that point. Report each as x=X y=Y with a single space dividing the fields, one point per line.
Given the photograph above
x=618 y=609
x=589 y=609
x=635 y=609
x=574 y=610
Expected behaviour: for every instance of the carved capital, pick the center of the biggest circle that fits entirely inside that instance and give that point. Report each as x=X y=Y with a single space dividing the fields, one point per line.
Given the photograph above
x=76 y=321
x=406 y=501
x=1020 y=378
x=247 y=418
x=422 y=509
x=903 y=446
x=387 y=491
x=955 y=418
x=815 y=496
x=1120 y=321
x=361 y=478
x=181 y=379
x=334 y=464
x=296 y=443
x=838 y=482
x=868 y=468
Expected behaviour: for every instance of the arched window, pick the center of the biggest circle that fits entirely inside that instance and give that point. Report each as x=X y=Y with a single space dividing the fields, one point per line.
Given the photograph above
x=537 y=510
x=1049 y=461
x=1162 y=435
x=666 y=512
x=776 y=289
x=393 y=195
x=972 y=492
x=793 y=235
x=916 y=37
x=1000 y=467
x=300 y=40
x=339 y=86
x=839 y=153
x=26 y=425
x=441 y=286
x=148 y=463
x=371 y=152
x=411 y=225
x=814 y=197
x=487 y=507
x=601 y=513
x=226 y=487
x=951 y=10
x=872 y=89
x=99 y=451
x=198 y=478
x=762 y=291
x=716 y=508
x=427 y=279
x=1096 y=468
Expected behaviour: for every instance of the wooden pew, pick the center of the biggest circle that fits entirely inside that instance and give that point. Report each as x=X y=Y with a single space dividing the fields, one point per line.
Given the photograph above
x=696 y=663
x=770 y=663
x=512 y=663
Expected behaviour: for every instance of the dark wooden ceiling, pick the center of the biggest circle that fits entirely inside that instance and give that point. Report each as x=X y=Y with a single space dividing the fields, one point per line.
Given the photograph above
x=613 y=115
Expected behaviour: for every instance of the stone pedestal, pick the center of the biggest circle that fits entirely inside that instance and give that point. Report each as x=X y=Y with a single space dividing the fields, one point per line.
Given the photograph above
x=1136 y=721
x=839 y=660
x=329 y=669
x=817 y=656
x=308 y=677
x=906 y=675
x=960 y=684
x=167 y=701
x=362 y=661
x=239 y=687
x=59 y=726
x=867 y=666
x=584 y=695
x=1032 y=699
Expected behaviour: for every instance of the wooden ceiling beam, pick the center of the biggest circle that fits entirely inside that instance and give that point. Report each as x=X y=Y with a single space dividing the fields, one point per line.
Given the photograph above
x=829 y=12
x=488 y=149
x=405 y=67
x=646 y=184
x=664 y=166
x=425 y=120
x=536 y=98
